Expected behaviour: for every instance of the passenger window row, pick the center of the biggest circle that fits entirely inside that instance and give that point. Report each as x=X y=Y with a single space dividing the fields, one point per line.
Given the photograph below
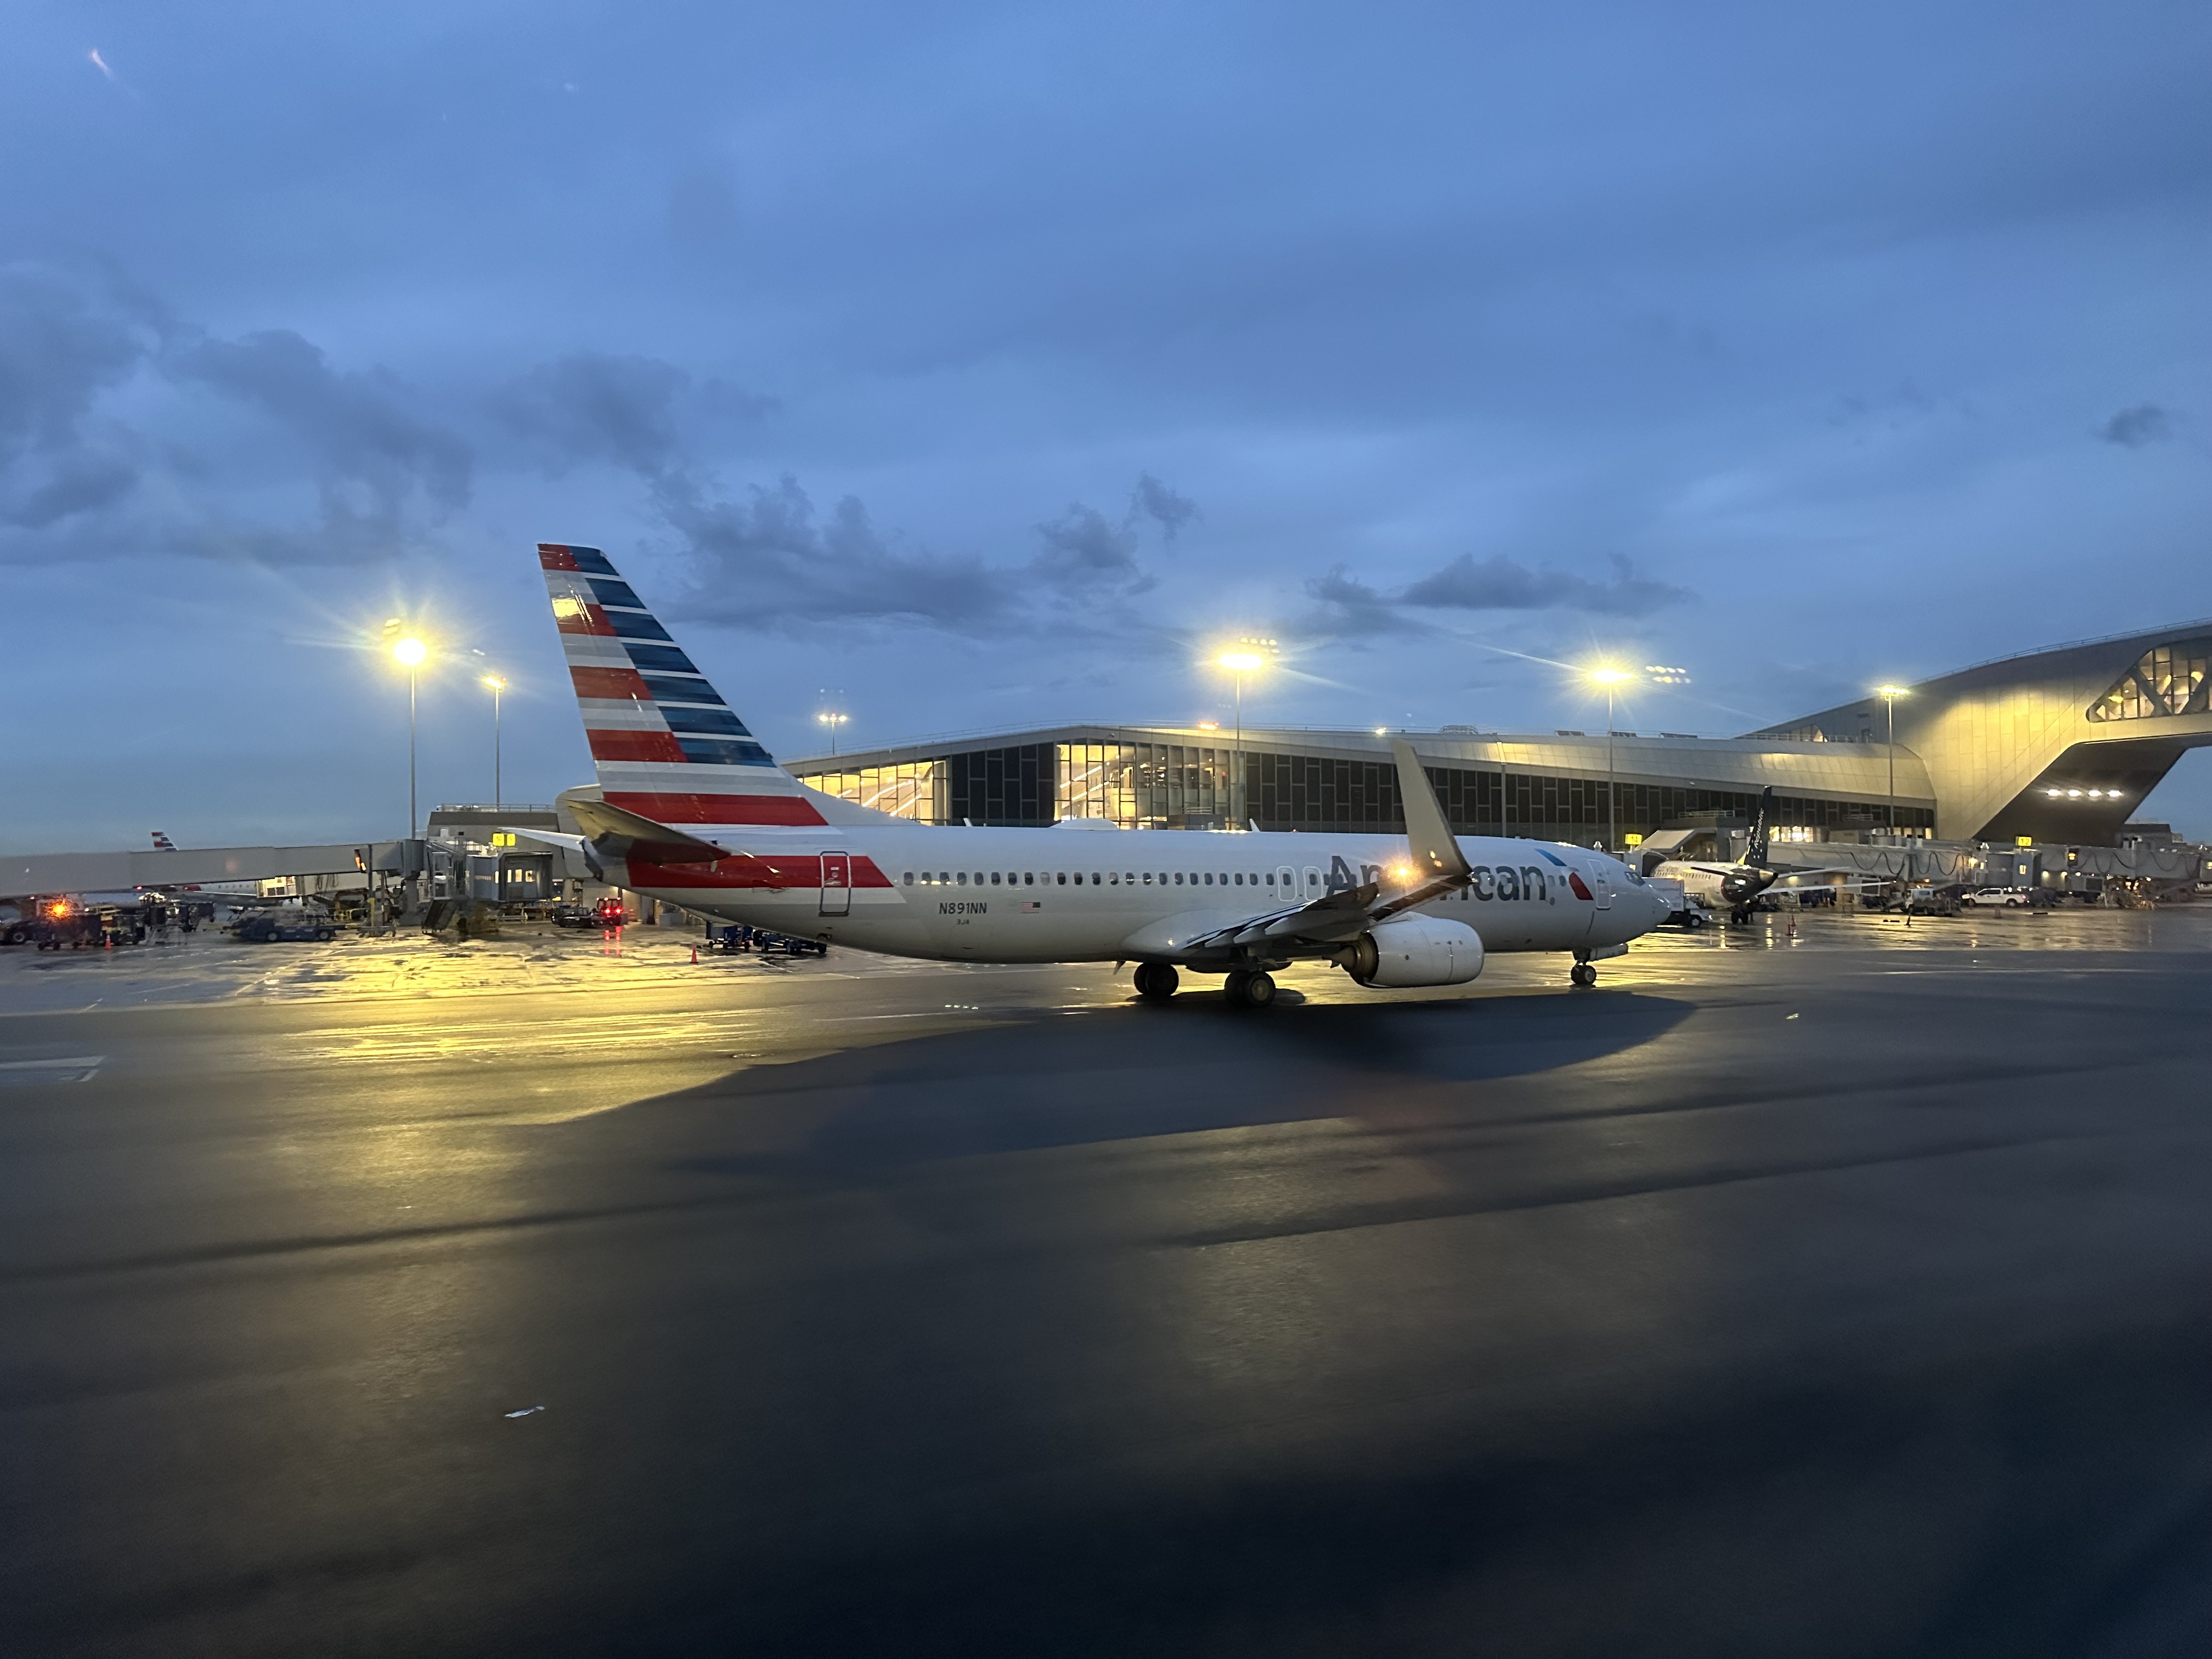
x=1127 y=878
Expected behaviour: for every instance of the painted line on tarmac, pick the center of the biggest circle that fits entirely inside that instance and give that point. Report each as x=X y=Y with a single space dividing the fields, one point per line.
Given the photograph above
x=77 y=1069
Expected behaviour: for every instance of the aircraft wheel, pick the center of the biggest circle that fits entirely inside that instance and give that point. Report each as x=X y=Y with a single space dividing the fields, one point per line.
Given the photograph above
x=1584 y=974
x=1155 y=981
x=1253 y=990
x=1232 y=989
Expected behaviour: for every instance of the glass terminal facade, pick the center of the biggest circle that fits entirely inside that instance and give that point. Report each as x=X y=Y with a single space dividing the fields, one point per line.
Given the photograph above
x=1182 y=786
x=2169 y=679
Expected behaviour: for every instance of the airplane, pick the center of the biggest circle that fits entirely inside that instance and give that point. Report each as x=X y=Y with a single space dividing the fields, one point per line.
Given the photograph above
x=239 y=889
x=1736 y=887
x=691 y=809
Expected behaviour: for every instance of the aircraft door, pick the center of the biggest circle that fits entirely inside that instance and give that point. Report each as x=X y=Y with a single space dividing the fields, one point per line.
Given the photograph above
x=836 y=883
x=1601 y=890
x=1286 y=886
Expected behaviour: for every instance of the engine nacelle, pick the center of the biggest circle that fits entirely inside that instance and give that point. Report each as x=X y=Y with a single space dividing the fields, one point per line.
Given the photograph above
x=1411 y=950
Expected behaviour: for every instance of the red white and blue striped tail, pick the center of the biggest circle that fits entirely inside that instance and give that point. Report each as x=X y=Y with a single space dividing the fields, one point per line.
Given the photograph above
x=667 y=747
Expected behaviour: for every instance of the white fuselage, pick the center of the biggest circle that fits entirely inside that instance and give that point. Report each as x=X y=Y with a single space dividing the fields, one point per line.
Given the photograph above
x=1717 y=886
x=1081 y=895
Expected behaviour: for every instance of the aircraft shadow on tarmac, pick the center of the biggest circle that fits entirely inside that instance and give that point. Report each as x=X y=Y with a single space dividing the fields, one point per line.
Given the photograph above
x=1126 y=1073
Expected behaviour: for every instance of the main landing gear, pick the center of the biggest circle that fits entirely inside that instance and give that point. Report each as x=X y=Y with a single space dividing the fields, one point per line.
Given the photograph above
x=1247 y=987
x=1248 y=990
x=1584 y=974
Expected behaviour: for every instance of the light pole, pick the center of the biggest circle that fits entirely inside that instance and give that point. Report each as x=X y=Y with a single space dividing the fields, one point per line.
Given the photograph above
x=1240 y=662
x=497 y=686
x=1889 y=695
x=1612 y=679
x=833 y=722
x=409 y=652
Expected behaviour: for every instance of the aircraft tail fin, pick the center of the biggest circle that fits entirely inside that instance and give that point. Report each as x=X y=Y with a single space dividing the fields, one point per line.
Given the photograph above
x=162 y=843
x=1754 y=852
x=667 y=748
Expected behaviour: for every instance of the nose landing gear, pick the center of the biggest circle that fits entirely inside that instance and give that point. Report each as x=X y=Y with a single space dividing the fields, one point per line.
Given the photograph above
x=1584 y=974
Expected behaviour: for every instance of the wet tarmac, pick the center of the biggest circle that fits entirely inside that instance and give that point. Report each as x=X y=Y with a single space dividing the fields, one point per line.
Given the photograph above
x=1839 y=1289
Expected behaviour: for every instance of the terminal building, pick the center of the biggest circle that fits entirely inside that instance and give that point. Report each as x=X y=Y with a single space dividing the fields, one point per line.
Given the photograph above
x=2055 y=746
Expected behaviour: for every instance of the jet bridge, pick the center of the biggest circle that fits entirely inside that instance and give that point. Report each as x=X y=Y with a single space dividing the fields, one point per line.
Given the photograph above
x=23 y=876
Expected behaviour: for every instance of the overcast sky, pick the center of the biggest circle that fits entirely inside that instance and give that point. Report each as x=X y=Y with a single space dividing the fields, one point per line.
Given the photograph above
x=966 y=367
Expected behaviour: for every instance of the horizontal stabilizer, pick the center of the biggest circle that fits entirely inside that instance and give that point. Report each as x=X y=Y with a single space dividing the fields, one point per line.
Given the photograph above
x=618 y=830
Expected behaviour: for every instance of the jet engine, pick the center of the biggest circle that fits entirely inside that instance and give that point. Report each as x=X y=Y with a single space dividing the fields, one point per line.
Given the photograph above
x=1411 y=950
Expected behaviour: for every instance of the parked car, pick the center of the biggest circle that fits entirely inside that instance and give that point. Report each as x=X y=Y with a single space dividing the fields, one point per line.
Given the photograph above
x=2009 y=898
x=285 y=927
x=607 y=913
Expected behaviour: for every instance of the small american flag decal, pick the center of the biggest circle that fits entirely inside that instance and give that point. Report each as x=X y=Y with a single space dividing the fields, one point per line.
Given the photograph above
x=1032 y=904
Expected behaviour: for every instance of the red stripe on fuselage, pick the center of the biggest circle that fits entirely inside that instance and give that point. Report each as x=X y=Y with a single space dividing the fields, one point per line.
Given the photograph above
x=710 y=808
x=639 y=747
x=764 y=873
x=610 y=682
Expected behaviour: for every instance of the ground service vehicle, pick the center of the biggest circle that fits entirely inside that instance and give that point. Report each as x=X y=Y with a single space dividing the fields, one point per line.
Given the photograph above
x=690 y=808
x=2009 y=898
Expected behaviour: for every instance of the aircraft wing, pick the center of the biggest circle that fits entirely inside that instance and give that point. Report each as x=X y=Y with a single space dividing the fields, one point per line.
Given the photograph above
x=1434 y=867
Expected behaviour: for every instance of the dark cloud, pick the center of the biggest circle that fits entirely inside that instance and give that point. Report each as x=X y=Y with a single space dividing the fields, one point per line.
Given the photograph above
x=1082 y=546
x=2146 y=423
x=65 y=341
x=1347 y=608
x=589 y=407
x=638 y=413
x=123 y=431
x=357 y=425
x=767 y=559
x=62 y=343
x=81 y=482
x=1498 y=583
x=1162 y=506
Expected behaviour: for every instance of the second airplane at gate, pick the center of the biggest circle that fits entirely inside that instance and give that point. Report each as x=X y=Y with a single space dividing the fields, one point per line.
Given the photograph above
x=691 y=810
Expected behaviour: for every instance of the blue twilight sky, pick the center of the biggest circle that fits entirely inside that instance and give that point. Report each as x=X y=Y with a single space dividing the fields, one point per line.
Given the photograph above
x=973 y=365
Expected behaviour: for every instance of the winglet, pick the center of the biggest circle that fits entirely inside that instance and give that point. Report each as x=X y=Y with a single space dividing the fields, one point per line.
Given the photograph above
x=1428 y=834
